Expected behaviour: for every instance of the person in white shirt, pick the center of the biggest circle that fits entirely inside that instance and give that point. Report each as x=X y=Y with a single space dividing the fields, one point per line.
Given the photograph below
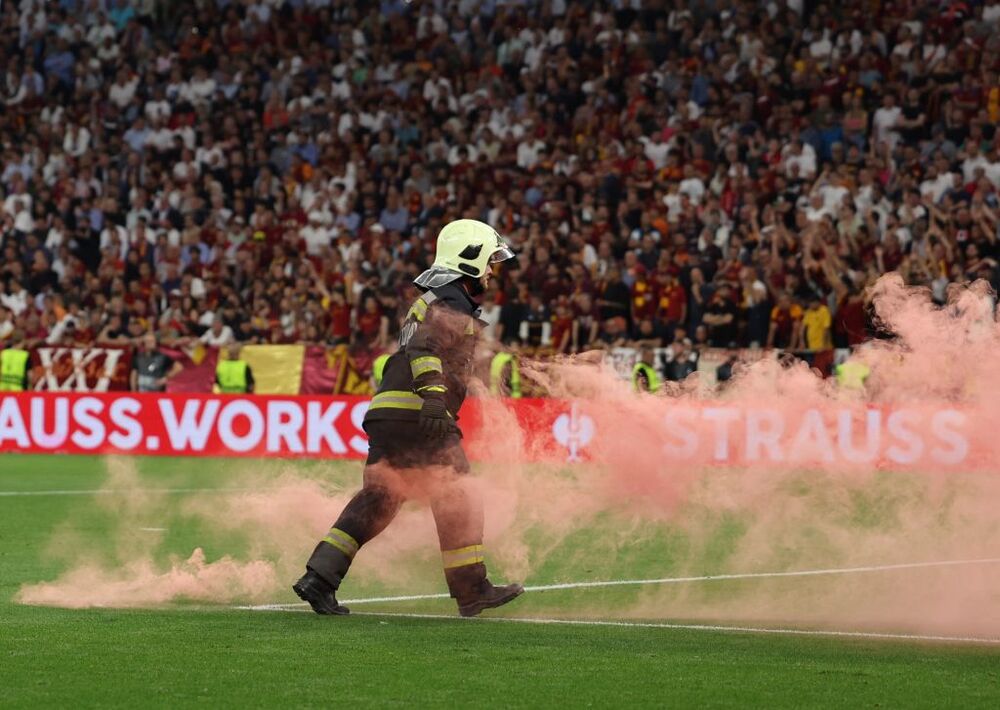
x=974 y=160
x=218 y=335
x=799 y=158
x=991 y=11
x=157 y=108
x=15 y=299
x=885 y=120
x=123 y=90
x=17 y=194
x=655 y=149
x=528 y=152
x=187 y=169
x=316 y=234
x=200 y=90
x=6 y=323
x=23 y=221
x=692 y=185
x=99 y=32
x=76 y=142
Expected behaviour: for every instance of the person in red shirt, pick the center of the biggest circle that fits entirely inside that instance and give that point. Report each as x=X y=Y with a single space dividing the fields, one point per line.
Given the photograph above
x=562 y=327
x=849 y=321
x=370 y=323
x=672 y=303
x=786 y=319
x=340 y=317
x=643 y=295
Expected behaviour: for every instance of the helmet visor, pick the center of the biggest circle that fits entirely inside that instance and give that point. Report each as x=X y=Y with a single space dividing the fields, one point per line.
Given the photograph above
x=502 y=253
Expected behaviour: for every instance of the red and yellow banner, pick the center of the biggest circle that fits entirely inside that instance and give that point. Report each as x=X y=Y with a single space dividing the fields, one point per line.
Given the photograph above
x=70 y=369
x=277 y=369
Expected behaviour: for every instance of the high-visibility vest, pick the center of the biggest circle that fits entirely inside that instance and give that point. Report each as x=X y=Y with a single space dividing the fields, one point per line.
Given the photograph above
x=500 y=361
x=852 y=375
x=378 y=368
x=13 y=368
x=232 y=376
x=652 y=378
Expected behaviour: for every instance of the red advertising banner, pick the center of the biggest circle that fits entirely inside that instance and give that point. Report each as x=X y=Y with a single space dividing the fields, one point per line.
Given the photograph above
x=679 y=433
x=183 y=425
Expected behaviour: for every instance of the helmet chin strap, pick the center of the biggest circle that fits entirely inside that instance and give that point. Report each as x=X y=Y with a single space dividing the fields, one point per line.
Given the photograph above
x=473 y=286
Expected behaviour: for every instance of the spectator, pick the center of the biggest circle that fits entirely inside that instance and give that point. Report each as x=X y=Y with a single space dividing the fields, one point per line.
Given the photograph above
x=786 y=322
x=721 y=318
x=815 y=333
x=218 y=335
x=151 y=368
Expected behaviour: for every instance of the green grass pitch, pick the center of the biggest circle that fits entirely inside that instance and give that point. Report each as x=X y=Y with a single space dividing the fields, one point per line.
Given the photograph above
x=187 y=654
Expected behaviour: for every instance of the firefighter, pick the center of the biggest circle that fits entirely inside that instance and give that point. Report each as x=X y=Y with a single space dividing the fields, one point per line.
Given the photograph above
x=234 y=376
x=14 y=365
x=414 y=448
x=505 y=375
x=645 y=378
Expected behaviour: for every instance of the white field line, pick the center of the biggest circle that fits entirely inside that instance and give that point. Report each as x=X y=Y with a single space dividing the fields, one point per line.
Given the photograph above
x=877 y=635
x=665 y=580
x=116 y=491
x=708 y=627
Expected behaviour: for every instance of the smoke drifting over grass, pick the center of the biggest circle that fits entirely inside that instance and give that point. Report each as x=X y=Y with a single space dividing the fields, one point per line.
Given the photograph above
x=782 y=471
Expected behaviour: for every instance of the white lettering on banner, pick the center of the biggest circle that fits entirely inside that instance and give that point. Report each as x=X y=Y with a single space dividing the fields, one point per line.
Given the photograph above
x=764 y=429
x=722 y=417
x=873 y=436
x=191 y=430
x=12 y=424
x=913 y=446
x=122 y=413
x=812 y=440
x=60 y=424
x=91 y=431
x=241 y=408
x=941 y=424
x=904 y=436
x=358 y=412
x=284 y=423
x=321 y=426
x=679 y=424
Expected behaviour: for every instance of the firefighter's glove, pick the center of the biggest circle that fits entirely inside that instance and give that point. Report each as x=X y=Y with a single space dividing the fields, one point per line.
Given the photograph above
x=435 y=422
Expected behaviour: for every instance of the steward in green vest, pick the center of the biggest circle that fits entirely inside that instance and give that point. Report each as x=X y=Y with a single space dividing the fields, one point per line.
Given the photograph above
x=645 y=378
x=851 y=375
x=14 y=366
x=499 y=384
x=378 y=368
x=234 y=376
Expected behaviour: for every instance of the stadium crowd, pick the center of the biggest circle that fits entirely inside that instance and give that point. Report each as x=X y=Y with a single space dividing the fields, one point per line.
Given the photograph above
x=716 y=173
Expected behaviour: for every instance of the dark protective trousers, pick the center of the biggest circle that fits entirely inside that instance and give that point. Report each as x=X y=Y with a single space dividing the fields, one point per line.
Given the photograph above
x=402 y=465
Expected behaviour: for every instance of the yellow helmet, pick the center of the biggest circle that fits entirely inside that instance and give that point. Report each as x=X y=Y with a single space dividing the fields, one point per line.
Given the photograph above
x=465 y=247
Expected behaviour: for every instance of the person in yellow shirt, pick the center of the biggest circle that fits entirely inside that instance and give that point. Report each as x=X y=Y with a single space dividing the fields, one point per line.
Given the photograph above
x=816 y=322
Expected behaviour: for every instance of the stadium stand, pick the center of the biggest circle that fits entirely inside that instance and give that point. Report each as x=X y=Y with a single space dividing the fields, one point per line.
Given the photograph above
x=678 y=174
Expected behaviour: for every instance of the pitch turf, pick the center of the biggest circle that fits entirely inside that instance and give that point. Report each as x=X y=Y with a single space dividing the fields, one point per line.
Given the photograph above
x=183 y=654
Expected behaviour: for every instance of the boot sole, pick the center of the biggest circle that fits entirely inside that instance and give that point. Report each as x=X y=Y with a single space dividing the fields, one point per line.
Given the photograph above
x=317 y=603
x=476 y=608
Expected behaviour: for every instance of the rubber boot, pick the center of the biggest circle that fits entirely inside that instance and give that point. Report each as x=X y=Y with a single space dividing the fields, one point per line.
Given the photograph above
x=315 y=590
x=324 y=573
x=473 y=592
